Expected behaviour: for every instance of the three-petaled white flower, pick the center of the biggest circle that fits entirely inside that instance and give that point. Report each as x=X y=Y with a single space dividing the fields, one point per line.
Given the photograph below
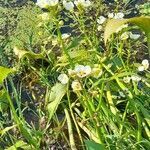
x=126 y=79
x=83 y=3
x=136 y=78
x=65 y=35
x=118 y=15
x=68 y=5
x=110 y=15
x=144 y=66
x=44 y=16
x=76 y=85
x=97 y=72
x=46 y=3
x=101 y=20
x=82 y=71
x=141 y=68
x=145 y=63
x=63 y=78
x=134 y=36
x=124 y=36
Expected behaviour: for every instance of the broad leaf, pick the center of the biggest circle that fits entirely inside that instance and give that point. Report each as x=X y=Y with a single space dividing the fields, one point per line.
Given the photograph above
x=57 y=93
x=23 y=53
x=20 y=145
x=91 y=145
x=3 y=101
x=113 y=24
x=4 y=72
x=5 y=130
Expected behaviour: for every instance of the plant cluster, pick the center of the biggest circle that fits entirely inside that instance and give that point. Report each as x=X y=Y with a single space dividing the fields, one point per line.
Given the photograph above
x=79 y=79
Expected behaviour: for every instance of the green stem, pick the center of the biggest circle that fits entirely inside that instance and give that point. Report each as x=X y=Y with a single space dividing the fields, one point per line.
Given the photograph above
x=73 y=117
x=91 y=113
x=71 y=138
x=63 y=45
x=139 y=126
x=148 y=43
x=123 y=118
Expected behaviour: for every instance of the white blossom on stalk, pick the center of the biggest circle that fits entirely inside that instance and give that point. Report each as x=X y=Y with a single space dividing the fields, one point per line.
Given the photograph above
x=99 y=28
x=97 y=72
x=71 y=73
x=110 y=15
x=141 y=68
x=121 y=94
x=63 y=78
x=68 y=5
x=82 y=71
x=124 y=36
x=145 y=63
x=119 y=15
x=44 y=16
x=126 y=79
x=135 y=78
x=76 y=85
x=101 y=20
x=46 y=3
x=134 y=36
x=84 y=3
x=65 y=35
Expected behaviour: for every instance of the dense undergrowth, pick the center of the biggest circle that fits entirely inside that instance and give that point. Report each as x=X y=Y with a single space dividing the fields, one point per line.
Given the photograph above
x=74 y=75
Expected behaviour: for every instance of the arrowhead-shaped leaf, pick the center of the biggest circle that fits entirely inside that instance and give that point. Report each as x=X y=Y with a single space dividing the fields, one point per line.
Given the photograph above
x=57 y=93
x=23 y=53
x=4 y=72
x=113 y=24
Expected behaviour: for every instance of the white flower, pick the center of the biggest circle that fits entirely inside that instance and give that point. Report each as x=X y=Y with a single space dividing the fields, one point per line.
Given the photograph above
x=110 y=15
x=126 y=79
x=44 y=16
x=68 y=5
x=76 y=86
x=119 y=15
x=82 y=71
x=122 y=27
x=97 y=72
x=121 y=94
x=99 y=28
x=135 y=78
x=124 y=36
x=141 y=68
x=63 y=78
x=145 y=63
x=84 y=3
x=101 y=20
x=46 y=3
x=53 y=2
x=71 y=72
x=65 y=35
x=134 y=36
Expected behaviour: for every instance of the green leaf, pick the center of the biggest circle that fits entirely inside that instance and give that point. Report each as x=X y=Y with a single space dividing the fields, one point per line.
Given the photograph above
x=57 y=93
x=4 y=72
x=75 y=42
x=91 y=145
x=19 y=144
x=111 y=27
x=113 y=24
x=3 y=101
x=23 y=53
x=2 y=132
